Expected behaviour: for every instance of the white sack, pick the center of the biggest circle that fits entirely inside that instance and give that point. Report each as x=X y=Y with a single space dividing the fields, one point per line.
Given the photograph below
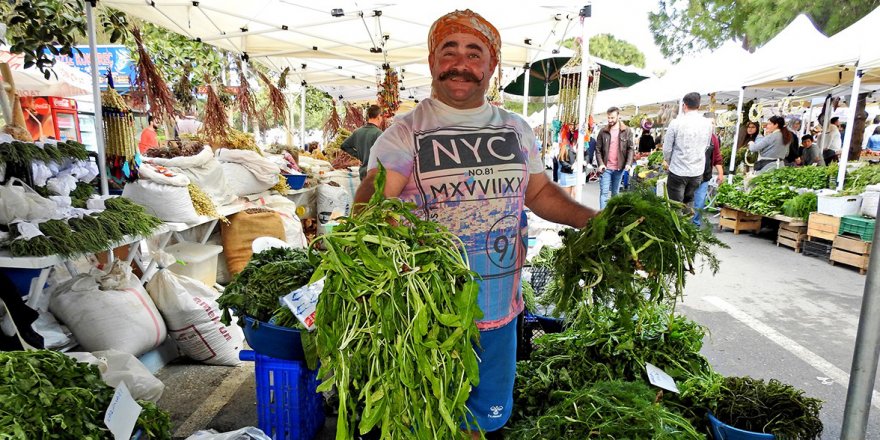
x=23 y=203
x=113 y=312
x=293 y=230
x=193 y=318
x=333 y=202
x=242 y=182
x=169 y=203
x=249 y=433
x=204 y=171
x=347 y=179
x=117 y=367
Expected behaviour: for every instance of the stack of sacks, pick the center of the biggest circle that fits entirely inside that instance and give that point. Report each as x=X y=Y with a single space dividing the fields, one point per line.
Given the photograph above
x=164 y=193
x=247 y=172
x=204 y=171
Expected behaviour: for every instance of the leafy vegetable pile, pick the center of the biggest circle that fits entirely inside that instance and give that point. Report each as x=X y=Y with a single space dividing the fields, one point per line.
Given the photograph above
x=88 y=234
x=268 y=276
x=637 y=250
x=655 y=159
x=45 y=393
x=755 y=405
x=613 y=410
x=801 y=206
x=396 y=323
x=769 y=191
x=856 y=180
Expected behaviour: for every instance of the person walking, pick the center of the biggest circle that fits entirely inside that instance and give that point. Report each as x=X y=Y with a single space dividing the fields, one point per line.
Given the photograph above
x=566 y=159
x=474 y=168
x=360 y=142
x=614 y=155
x=714 y=161
x=684 y=147
x=646 y=141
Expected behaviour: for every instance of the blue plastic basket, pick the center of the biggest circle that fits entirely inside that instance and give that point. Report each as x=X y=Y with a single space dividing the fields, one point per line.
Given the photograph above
x=295 y=181
x=21 y=278
x=272 y=340
x=288 y=408
x=722 y=431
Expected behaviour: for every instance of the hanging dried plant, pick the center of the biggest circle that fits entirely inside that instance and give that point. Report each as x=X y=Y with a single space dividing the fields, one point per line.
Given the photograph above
x=149 y=79
x=331 y=126
x=389 y=93
x=183 y=91
x=282 y=80
x=276 y=98
x=354 y=117
x=216 y=125
x=245 y=99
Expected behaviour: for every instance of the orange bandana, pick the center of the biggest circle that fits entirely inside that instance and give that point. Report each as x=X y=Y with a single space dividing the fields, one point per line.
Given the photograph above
x=469 y=22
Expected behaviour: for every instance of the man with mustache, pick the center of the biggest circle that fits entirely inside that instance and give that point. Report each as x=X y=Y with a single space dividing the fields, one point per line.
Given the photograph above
x=474 y=168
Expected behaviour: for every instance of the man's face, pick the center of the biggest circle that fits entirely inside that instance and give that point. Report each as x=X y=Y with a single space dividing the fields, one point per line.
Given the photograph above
x=461 y=67
x=612 y=119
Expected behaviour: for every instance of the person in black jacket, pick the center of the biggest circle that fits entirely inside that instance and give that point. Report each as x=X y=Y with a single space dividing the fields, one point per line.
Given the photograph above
x=646 y=142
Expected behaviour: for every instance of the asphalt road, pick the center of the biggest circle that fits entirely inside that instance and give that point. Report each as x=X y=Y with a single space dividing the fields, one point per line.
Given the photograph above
x=770 y=312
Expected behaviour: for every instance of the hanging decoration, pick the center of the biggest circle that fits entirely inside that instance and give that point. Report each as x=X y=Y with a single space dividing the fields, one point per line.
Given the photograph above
x=389 y=93
x=494 y=95
x=282 y=80
x=333 y=123
x=149 y=80
x=354 y=117
x=183 y=91
x=276 y=99
x=755 y=112
x=120 y=145
x=245 y=99
x=216 y=124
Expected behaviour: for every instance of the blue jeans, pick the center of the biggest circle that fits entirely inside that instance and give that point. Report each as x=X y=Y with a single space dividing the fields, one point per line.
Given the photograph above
x=609 y=186
x=700 y=196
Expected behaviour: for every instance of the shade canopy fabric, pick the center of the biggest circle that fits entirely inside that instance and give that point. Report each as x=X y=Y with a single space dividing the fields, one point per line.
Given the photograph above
x=547 y=71
x=342 y=47
x=65 y=81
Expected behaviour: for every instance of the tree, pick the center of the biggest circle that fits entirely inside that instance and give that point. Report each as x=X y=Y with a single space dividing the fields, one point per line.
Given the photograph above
x=610 y=48
x=686 y=26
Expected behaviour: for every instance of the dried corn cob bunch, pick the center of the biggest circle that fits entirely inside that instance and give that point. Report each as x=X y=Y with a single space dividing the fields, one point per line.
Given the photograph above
x=281 y=187
x=119 y=137
x=203 y=204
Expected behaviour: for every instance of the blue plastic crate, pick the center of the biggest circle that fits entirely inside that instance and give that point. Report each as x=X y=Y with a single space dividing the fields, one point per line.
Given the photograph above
x=288 y=408
x=721 y=431
x=273 y=341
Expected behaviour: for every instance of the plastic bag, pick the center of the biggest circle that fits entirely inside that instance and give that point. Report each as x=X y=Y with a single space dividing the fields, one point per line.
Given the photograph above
x=333 y=202
x=249 y=433
x=117 y=367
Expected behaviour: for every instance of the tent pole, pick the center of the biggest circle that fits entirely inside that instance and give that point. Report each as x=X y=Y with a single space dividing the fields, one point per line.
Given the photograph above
x=544 y=127
x=585 y=13
x=528 y=70
x=4 y=103
x=96 y=96
x=244 y=118
x=867 y=349
x=850 y=126
x=739 y=121
x=302 y=116
x=826 y=118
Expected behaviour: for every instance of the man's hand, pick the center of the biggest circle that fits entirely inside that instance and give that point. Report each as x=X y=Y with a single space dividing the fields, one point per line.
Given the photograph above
x=719 y=178
x=666 y=165
x=627 y=168
x=601 y=169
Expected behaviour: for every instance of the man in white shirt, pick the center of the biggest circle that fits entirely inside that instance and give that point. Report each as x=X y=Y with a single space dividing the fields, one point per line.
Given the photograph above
x=188 y=125
x=831 y=142
x=684 y=147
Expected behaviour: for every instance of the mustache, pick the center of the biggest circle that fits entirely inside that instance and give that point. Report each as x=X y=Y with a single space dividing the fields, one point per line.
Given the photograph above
x=462 y=74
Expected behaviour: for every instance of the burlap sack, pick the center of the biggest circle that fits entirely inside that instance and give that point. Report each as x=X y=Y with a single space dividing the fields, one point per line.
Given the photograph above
x=243 y=229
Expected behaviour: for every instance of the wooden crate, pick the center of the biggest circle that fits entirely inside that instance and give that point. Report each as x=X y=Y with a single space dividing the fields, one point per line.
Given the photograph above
x=851 y=252
x=739 y=221
x=791 y=235
x=823 y=226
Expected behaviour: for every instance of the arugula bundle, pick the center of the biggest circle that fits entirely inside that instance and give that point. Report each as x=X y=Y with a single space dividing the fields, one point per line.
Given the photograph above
x=396 y=323
x=44 y=393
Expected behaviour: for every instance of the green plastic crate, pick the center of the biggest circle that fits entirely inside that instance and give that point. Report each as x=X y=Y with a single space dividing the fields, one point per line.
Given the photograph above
x=857 y=225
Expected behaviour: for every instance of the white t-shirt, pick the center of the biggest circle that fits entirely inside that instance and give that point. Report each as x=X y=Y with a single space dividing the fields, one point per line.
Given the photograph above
x=468 y=170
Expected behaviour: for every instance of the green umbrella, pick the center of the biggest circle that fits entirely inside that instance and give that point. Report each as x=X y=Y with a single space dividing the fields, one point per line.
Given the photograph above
x=544 y=80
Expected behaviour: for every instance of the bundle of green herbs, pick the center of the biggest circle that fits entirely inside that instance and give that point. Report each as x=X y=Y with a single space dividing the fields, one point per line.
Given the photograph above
x=605 y=350
x=46 y=395
x=638 y=250
x=792 y=177
x=87 y=234
x=801 y=206
x=655 y=159
x=751 y=404
x=395 y=323
x=608 y=410
x=269 y=275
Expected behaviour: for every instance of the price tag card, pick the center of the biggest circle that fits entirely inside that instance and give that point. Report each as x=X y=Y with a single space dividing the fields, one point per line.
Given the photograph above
x=659 y=378
x=303 y=301
x=122 y=414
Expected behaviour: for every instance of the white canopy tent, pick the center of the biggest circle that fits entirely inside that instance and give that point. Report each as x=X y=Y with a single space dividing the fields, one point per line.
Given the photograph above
x=66 y=81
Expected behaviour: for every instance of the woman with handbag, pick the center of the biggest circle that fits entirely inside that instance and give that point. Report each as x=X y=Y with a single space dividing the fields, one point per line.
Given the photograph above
x=566 y=159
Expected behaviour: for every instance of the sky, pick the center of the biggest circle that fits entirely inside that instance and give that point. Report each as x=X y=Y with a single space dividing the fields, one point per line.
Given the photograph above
x=628 y=20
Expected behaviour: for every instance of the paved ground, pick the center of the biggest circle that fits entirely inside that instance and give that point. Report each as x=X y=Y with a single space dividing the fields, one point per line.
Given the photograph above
x=772 y=313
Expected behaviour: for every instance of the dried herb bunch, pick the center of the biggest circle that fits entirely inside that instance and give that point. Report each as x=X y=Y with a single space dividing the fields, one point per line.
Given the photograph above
x=333 y=123
x=149 y=79
x=245 y=99
x=276 y=99
x=216 y=125
x=354 y=117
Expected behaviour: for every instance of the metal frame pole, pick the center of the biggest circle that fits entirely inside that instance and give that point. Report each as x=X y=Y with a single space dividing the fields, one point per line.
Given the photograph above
x=527 y=69
x=96 y=95
x=302 y=119
x=739 y=121
x=867 y=350
x=850 y=126
x=585 y=13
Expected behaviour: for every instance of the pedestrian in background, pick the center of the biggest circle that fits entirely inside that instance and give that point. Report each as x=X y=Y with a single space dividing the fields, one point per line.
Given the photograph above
x=361 y=140
x=614 y=154
x=684 y=149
